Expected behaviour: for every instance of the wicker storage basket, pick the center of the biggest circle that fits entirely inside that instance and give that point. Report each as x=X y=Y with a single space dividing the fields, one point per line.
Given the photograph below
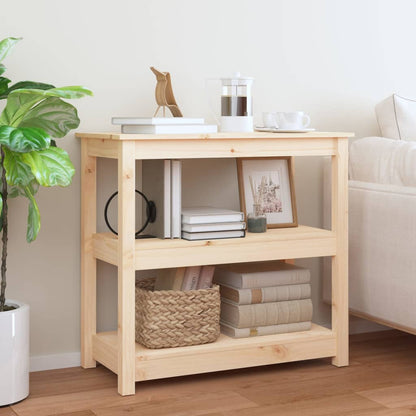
x=175 y=318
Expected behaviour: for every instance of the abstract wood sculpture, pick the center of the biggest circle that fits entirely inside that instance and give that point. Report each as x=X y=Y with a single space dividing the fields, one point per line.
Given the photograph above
x=164 y=94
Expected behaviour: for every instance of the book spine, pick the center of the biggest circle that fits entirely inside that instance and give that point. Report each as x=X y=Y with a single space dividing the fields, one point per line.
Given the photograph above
x=205 y=277
x=190 y=280
x=226 y=226
x=209 y=219
x=266 y=294
x=168 y=129
x=263 y=279
x=264 y=330
x=169 y=279
x=176 y=198
x=261 y=314
x=213 y=235
x=167 y=199
x=178 y=279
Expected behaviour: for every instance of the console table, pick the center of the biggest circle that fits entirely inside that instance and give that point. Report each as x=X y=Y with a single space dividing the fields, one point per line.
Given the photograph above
x=118 y=350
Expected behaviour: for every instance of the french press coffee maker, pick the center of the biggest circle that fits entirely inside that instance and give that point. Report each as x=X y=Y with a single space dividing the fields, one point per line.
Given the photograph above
x=234 y=112
x=236 y=104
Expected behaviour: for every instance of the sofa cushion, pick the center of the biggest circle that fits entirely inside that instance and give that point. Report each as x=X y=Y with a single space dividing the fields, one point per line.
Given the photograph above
x=396 y=117
x=381 y=160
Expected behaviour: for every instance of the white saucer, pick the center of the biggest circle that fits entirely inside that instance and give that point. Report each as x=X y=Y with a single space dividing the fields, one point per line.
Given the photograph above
x=277 y=130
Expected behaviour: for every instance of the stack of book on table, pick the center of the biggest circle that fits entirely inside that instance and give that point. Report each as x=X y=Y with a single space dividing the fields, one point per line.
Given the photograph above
x=264 y=298
x=208 y=223
x=185 y=278
x=164 y=125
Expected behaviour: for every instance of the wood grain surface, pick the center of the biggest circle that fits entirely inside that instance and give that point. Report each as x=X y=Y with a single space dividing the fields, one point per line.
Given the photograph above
x=380 y=381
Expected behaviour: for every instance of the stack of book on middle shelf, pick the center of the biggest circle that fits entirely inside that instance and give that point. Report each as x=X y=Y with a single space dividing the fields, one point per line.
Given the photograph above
x=185 y=278
x=264 y=298
x=164 y=125
x=208 y=223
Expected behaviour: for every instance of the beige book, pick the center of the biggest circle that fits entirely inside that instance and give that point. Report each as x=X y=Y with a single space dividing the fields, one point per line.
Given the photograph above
x=262 y=314
x=266 y=294
x=170 y=279
x=262 y=274
x=264 y=330
x=205 y=277
x=190 y=279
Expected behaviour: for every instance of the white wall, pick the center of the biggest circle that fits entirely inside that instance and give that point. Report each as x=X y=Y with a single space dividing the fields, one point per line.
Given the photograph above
x=334 y=59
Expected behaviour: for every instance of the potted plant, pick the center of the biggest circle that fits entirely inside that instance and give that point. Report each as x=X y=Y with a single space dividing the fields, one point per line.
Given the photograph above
x=34 y=115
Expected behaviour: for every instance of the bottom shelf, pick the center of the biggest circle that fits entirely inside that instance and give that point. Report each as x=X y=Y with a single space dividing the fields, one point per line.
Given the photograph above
x=224 y=354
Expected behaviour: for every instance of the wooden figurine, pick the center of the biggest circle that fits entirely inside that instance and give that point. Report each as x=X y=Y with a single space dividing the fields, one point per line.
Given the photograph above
x=164 y=94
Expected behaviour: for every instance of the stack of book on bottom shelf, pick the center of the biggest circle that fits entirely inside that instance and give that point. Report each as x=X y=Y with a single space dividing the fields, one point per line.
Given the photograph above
x=185 y=278
x=209 y=223
x=264 y=298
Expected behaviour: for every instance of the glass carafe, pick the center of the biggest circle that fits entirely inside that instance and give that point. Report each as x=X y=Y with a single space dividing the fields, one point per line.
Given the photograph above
x=236 y=104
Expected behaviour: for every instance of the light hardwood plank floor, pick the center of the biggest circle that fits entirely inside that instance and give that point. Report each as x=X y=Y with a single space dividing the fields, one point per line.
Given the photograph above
x=380 y=381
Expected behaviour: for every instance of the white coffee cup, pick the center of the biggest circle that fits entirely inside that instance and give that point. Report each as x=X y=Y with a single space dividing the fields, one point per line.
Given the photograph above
x=293 y=120
x=269 y=120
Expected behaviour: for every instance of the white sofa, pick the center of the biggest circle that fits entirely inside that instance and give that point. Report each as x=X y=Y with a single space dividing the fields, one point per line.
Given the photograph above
x=382 y=219
x=382 y=231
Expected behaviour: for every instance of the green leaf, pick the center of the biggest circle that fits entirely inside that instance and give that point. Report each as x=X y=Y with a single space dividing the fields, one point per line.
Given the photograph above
x=15 y=191
x=17 y=106
x=4 y=82
x=6 y=45
x=18 y=173
x=70 y=92
x=26 y=85
x=24 y=139
x=51 y=167
x=52 y=115
x=19 y=102
x=33 y=218
x=2 y=69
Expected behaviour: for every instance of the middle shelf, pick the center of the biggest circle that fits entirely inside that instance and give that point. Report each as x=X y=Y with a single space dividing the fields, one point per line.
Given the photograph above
x=275 y=244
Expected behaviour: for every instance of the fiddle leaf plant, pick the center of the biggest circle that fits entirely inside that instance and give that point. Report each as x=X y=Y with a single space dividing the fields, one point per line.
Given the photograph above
x=34 y=116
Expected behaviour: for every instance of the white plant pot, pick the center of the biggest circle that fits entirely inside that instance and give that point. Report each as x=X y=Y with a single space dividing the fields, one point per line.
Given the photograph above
x=14 y=353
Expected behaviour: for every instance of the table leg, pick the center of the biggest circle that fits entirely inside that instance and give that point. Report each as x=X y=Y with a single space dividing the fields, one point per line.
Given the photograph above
x=88 y=261
x=126 y=268
x=340 y=260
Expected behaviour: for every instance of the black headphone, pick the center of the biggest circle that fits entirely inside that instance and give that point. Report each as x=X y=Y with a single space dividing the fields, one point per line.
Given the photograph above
x=150 y=213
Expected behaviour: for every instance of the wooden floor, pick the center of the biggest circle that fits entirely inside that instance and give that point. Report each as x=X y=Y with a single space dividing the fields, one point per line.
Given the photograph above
x=381 y=381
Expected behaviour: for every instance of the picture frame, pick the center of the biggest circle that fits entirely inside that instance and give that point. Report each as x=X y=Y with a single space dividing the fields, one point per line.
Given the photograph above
x=269 y=183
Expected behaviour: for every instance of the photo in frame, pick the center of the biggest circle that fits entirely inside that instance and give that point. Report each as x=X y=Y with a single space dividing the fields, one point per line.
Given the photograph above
x=268 y=183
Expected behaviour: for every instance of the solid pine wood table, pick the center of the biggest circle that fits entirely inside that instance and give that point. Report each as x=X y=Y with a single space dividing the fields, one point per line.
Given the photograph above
x=118 y=350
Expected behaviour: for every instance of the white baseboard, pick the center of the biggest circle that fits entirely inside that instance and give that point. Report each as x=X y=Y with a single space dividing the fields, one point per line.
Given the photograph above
x=358 y=326
x=54 y=361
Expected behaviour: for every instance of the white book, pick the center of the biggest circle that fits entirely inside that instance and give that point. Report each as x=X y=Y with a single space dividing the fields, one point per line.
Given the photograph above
x=169 y=129
x=208 y=215
x=156 y=185
x=213 y=235
x=138 y=121
x=216 y=226
x=176 y=199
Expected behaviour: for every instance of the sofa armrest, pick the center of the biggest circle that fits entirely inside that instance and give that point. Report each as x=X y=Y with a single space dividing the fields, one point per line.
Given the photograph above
x=384 y=161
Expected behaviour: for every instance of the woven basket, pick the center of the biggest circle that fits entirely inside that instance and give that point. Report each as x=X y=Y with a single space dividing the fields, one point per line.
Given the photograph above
x=175 y=318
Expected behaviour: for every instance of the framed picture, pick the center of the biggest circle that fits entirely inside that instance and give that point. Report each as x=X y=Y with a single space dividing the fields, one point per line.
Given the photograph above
x=268 y=183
